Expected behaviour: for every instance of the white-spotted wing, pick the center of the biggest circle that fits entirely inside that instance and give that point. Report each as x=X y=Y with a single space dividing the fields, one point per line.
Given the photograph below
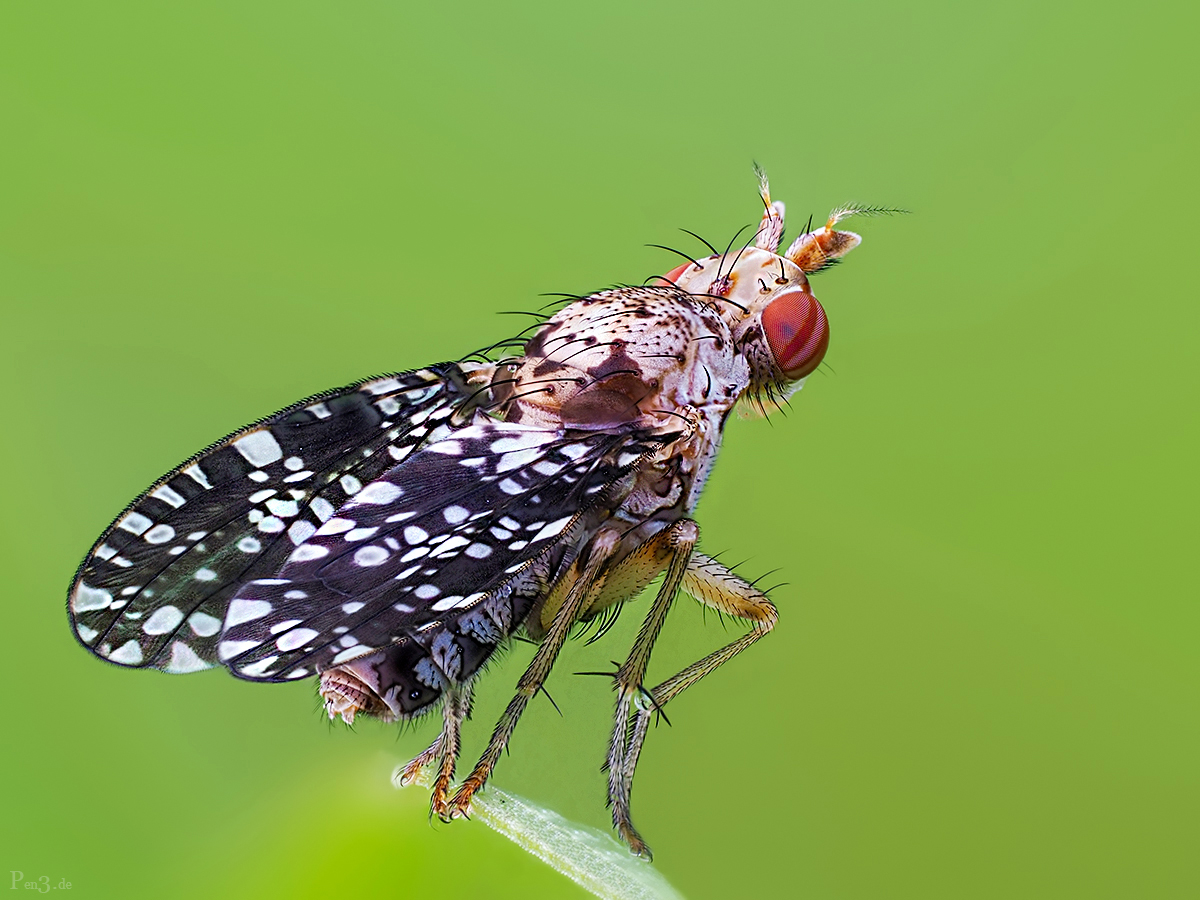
x=155 y=588
x=425 y=542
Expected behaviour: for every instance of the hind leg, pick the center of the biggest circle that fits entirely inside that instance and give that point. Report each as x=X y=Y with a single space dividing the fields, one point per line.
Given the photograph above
x=455 y=710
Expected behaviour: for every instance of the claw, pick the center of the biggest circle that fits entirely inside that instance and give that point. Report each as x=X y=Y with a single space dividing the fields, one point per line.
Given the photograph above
x=412 y=770
x=637 y=846
x=438 y=806
x=460 y=803
x=407 y=775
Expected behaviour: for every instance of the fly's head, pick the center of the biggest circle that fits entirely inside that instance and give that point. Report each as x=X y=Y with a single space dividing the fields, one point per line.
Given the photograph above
x=778 y=325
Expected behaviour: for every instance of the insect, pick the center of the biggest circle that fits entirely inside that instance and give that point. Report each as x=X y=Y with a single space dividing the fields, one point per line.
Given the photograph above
x=386 y=537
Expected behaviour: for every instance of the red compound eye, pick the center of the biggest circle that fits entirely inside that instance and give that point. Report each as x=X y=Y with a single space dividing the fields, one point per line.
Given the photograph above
x=797 y=332
x=676 y=273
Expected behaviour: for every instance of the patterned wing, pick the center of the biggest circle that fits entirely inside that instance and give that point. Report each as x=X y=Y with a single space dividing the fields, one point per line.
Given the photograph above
x=427 y=541
x=155 y=588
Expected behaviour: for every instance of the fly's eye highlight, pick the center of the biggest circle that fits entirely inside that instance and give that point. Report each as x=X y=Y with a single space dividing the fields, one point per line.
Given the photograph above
x=797 y=332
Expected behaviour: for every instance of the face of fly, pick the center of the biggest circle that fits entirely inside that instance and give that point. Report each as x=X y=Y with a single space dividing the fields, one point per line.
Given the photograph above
x=769 y=306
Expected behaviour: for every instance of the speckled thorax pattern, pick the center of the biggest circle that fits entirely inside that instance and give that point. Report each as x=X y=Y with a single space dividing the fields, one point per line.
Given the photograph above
x=647 y=360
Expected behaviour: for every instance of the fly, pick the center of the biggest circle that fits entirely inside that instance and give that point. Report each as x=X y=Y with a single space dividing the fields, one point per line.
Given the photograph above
x=386 y=537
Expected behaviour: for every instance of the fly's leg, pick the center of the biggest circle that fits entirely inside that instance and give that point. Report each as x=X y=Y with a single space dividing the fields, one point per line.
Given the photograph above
x=674 y=546
x=413 y=767
x=455 y=710
x=717 y=588
x=576 y=602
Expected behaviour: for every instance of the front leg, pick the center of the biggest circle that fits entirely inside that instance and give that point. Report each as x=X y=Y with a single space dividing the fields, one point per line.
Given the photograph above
x=716 y=587
x=671 y=547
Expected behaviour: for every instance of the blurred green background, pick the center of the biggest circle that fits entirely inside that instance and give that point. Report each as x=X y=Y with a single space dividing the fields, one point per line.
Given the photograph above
x=984 y=681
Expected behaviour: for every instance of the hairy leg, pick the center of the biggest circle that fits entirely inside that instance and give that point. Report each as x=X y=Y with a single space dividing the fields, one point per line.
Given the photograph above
x=671 y=548
x=715 y=586
x=577 y=600
x=456 y=709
